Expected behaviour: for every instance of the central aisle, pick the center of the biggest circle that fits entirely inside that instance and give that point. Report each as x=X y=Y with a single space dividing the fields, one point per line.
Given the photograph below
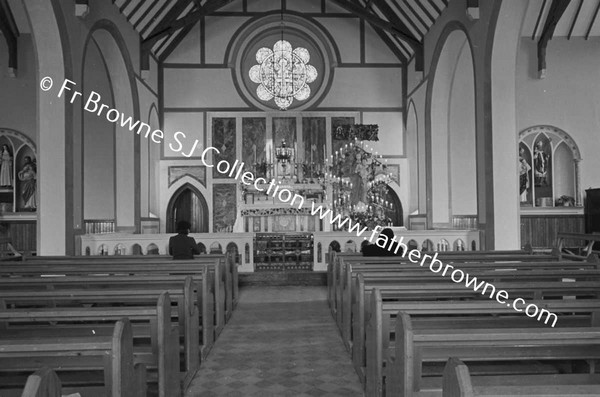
x=281 y=341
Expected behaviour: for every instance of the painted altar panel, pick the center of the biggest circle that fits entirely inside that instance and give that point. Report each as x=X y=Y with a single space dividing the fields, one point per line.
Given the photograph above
x=254 y=143
x=223 y=138
x=284 y=223
x=315 y=145
x=284 y=128
x=335 y=123
x=224 y=207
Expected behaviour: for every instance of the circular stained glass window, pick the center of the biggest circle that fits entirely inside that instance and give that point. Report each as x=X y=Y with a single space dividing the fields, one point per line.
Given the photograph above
x=283 y=74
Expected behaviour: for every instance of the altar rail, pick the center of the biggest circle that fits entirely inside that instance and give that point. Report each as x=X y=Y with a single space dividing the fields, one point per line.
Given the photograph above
x=243 y=243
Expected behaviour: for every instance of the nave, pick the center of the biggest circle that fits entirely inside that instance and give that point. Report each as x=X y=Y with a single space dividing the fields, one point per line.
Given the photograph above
x=280 y=341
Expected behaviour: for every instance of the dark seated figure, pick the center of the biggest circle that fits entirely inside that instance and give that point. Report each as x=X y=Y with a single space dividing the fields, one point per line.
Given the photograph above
x=385 y=245
x=182 y=246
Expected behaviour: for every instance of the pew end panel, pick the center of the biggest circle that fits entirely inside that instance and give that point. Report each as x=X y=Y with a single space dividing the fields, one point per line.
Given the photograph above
x=457 y=380
x=43 y=383
x=169 y=384
x=192 y=325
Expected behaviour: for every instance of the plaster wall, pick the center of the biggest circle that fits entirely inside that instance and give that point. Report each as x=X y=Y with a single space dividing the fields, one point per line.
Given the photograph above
x=17 y=96
x=568 y=98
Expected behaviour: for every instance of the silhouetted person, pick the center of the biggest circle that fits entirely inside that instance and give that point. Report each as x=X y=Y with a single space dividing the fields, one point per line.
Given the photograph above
x=385 y=245
x=182 y=246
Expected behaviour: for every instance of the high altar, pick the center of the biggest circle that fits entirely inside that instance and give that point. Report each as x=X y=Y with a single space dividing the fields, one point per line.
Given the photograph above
x=326 y=159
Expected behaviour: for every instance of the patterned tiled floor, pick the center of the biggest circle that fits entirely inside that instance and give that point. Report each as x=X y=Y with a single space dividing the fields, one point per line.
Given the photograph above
x=281 y=341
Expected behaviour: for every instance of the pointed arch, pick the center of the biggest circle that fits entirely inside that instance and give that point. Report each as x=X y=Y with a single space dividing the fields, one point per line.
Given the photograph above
x=412 y=154
x=187 y=203
x=121 y=73
x=450 y=135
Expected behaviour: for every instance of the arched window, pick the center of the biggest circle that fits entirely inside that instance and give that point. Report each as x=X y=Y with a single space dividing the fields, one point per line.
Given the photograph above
x=548 y=168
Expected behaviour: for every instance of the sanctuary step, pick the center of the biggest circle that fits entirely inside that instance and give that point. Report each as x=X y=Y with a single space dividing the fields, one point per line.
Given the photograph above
x=278 y=278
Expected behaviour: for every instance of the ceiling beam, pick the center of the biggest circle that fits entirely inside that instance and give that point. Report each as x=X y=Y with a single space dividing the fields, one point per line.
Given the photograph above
x=557 y=9
x=587 y=34
x=145 y=14
x=574 y=20
x=180 y=36
x=418 y=50
x=9 y=30
x=190 y=19
x=163 y=25
x=374 y=20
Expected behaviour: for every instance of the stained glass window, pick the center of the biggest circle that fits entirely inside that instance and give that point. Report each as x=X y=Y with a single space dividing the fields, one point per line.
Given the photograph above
x=283 y=74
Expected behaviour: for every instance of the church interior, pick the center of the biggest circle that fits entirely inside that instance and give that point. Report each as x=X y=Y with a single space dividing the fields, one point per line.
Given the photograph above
x=288 y=134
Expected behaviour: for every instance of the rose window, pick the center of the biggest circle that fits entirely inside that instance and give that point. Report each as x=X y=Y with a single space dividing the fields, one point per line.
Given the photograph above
x=283 y=74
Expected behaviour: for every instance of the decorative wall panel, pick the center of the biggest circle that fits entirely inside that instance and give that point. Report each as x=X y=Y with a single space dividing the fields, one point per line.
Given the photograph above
x=315 y=143
x=335 y=123
x=196 y=172
x=224 y=207
x=254 y=142
x=223 y=138
x=284 y=128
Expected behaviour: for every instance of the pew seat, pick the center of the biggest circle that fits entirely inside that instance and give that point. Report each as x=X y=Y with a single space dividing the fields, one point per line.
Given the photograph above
x=104 y=363
x=458 y=382
x=156 y=344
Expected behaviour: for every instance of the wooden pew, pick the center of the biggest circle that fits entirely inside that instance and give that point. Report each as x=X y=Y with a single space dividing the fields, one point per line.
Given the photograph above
x=81 y=266
x=458 y=382
x=43 y=383
x=417 y=346
x=362 y=307
x=338 y=276
x=457 y=317
x=337 y=258
x=229 y=268
x=189 y=294
x=151 y=322
x=483 y=271
x=444 y=315
x=120 y=377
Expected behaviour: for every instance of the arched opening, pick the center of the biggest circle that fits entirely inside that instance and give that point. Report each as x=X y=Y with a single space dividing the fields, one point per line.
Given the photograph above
x=188 y=204
x=98 y=160
x=107 y=67
x=233 y=252
x=453 y=151
x=215 y=248
x=412 y=154
x=396 y=213
x=153 y=166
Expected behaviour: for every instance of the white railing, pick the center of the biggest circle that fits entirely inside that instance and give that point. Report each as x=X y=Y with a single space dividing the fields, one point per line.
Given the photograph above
x=130 y=244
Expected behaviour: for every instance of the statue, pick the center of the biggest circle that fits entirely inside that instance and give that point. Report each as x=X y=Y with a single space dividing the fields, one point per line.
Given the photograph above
x=5 y=168
x=524 y=169
x=541 y=161
x=27 y=176
x=358 y=178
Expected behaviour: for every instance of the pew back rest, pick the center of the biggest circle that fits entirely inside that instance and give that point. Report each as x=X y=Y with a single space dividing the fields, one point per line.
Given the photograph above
x=43 y=383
